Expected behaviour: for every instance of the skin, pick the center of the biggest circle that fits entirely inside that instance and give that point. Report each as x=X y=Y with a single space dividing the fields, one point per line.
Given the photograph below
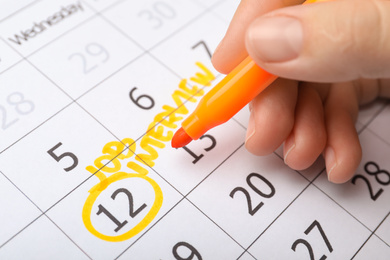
x=341 y=61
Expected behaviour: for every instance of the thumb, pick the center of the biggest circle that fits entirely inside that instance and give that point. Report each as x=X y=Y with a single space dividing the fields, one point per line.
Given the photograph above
x=324 y=42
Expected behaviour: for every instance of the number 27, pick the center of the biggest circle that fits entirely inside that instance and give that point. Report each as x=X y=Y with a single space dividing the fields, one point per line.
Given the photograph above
x=307 y=244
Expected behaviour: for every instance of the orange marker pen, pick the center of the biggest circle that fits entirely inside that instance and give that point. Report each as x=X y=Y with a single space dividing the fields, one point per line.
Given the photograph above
x=228 y=97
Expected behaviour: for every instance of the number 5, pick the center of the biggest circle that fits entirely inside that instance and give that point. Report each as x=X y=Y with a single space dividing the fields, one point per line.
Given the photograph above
x=58 y=158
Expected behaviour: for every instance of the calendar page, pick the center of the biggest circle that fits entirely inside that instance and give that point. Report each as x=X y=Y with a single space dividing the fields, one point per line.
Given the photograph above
x=91 y=92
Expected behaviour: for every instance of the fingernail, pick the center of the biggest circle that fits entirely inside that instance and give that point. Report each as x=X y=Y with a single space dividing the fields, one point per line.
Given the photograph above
x=250 y=131
x=330 y=162
x=289 y=145
x=276 y=39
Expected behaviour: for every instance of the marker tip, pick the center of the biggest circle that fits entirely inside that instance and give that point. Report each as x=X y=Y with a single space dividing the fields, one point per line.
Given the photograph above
x=180 y=138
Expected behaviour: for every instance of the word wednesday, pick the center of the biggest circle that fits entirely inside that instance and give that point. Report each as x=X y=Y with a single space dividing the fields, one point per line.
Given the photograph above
x=45 y=24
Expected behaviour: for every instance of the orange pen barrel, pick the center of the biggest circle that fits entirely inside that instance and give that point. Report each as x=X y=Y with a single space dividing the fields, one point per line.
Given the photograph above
x=228 y=97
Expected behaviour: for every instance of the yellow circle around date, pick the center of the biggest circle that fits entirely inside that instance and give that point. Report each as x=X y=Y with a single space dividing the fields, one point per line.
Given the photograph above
x=94 y=194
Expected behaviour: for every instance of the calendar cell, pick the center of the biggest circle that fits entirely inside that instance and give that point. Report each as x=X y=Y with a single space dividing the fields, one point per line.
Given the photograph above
x=32 y=28
x=383 y=231
x=10 y=7
x=100 y=5
x=242 y=116
x=192 y=163
x=149 y=22
x=104 y=218
x=374 y=248
x=312 y=227
x=246 y=256
x=367 y=112
x=359 y=126
x=32 y=243
x=246 y=193
x=17 y=211
x=22 y=105
x=78 y=65
x=208 y=3
x=173 y=238
x=52 y=159
x=128 y=102
x=196 y=42
x=380 y=125
x=367 y=195
x=8 y=57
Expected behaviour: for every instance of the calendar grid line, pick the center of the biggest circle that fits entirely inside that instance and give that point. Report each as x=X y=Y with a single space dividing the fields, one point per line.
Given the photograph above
x=19 y=10
x=279 y=215
x=49 y=79
x=35 y=128
x=212 y=171
x=12 y=66
x=378 y=136
x=238 y=122
x=214 y=5
x=118 y=2
x=48 y=209
x=16 y=63
x=148 y=50
x=148 y=130
x=337 y=203
x=185 y=197
x=113 y=25
x=109 y=77
x=384 y=219
x=217 y=225
x=75 y=188
x=119 y=30
x=32 y=202
x=24 y=194
x=43 y=46
x=383 y=107
x=25 y=58
x=177 y=31
x=72 y=190
x=216 y=14
x=20 y=231
x=101 y=14
x=150 y=228
x=65 y=234
x=31 y=222
x=369 y=237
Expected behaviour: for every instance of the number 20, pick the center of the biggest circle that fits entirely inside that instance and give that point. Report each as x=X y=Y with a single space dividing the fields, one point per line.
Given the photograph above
x=252 y=210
